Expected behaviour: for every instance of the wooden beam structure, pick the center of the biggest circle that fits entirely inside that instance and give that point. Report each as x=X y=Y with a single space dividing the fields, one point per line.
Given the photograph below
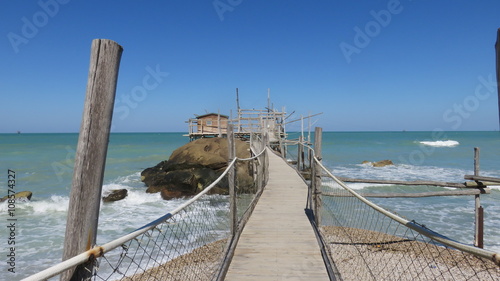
x=482 y=179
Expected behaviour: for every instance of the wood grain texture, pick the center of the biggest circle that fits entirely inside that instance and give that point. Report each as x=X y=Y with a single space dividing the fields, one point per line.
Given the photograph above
x=90 y=158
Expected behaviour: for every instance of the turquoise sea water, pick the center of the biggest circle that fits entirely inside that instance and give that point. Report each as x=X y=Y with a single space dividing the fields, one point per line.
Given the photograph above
x=43 y=164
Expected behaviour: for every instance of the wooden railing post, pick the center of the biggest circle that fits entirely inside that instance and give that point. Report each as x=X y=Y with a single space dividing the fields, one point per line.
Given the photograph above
x=312 y=186
x=318 y=136
x=90 y=158
x=300 y=154
x=497 y=51
x=479 y=220
x=231 y=180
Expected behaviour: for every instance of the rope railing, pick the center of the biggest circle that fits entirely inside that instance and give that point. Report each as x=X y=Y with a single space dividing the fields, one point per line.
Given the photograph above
x=188 y=243
x=365 y=241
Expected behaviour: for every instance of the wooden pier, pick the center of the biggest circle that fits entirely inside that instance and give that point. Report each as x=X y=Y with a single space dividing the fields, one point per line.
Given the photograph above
x=278 y=242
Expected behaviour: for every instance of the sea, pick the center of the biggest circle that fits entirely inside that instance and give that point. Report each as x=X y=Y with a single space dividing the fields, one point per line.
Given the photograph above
x=43 y=164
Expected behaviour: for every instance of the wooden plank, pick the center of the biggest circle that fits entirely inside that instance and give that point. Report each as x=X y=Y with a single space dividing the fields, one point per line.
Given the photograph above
x=413 y=195
x=90 y=158
x=278 y=242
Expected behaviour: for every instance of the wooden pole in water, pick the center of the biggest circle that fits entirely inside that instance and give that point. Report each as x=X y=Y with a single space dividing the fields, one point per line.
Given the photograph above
x=90 y=158
x=497 y=49
x=478 y=237
x=318 y=136
x=231 y=179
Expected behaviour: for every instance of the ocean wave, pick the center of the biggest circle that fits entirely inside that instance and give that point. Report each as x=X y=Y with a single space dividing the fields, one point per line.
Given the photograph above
x=55 y=203
x=446 y=143
x=405 y=172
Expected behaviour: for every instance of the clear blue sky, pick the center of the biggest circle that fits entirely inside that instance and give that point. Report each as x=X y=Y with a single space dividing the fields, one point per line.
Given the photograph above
x=367 y=65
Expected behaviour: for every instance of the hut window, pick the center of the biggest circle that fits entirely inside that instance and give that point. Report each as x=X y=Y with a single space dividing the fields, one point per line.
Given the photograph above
x=209 y=122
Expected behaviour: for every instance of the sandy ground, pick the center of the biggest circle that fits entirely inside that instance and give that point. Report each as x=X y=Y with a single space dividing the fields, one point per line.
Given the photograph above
x=367 y=255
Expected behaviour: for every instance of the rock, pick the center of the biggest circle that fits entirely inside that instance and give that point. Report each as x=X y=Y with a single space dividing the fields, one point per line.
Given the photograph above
x=382 y=163
x=19 y=195
x=167 y=194
x=196 y=165
x=115 y=195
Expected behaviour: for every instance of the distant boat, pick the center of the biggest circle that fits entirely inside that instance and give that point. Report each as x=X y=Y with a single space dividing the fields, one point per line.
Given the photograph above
x=18 y=132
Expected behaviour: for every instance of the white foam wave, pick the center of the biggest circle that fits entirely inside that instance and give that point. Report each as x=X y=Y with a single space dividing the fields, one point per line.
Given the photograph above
x=361 y=186
x=446 y=143
x=404 y=172
x=55 y=203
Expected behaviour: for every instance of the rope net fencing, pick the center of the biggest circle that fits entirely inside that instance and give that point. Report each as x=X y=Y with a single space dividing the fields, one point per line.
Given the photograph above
x=186 y=246
x=247 y=194
x=188 y=243
x=367 y=242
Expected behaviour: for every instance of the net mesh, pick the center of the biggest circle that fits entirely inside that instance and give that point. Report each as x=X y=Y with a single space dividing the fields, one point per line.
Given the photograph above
x=365 y=244
x=188 y=246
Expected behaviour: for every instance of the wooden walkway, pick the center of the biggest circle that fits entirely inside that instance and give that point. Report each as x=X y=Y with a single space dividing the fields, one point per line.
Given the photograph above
x=278 y=242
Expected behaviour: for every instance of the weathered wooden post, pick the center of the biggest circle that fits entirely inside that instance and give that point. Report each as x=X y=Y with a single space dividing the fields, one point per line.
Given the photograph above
x=497 y=49
x=219 y=131
x=310 y=156
x=90 y=158
x=300 y=154
x=231 y=179
x=312 y=183
x=318 y=136
x=479 y=219
x=265 y=143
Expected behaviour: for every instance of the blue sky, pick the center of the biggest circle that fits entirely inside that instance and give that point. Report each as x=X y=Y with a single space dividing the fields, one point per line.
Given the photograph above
x=367 y=65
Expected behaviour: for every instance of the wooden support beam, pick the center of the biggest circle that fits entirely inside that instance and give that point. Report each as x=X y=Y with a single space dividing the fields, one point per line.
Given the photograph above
x=432 y=183
x=482 y=179
x=318 y=137
x=478 y=229
x=90 y=158
x=497 y=51
x=476 y=184
x=232 y=180
x=415 y=195
x=300 y=156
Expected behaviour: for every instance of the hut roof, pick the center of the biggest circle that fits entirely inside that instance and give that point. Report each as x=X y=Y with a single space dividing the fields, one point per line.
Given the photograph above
x=208 y=114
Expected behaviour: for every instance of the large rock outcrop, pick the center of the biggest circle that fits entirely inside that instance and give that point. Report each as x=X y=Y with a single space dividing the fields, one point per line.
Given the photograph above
x=196 y=165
